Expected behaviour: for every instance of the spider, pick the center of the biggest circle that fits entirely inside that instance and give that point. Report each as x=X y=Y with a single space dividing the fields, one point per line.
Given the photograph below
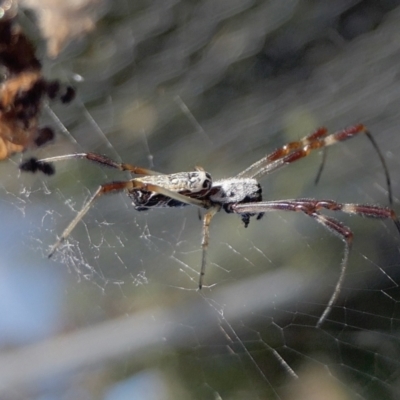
x=240 y=194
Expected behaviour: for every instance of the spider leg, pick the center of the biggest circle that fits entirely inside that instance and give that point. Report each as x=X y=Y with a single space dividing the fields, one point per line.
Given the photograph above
x=381 y=158
x=97 y=158
x=204 y=243
x=118 y=187
x=346 y=235
x=320 y=139
x=311 y=207
x=322 y=165
x=103 y=189
x=257 y=169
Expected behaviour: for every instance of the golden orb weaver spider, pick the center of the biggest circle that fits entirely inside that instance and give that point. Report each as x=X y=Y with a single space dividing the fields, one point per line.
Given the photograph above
x=241 y=194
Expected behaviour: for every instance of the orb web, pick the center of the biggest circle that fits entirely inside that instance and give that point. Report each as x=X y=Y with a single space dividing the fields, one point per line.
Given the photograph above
x=169 y=87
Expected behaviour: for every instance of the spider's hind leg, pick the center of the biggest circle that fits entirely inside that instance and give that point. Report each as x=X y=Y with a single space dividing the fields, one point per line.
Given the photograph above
x=311 y=208
x=129 y=186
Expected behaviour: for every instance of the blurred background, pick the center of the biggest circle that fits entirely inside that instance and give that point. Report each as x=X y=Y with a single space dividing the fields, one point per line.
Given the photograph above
x=170 y=85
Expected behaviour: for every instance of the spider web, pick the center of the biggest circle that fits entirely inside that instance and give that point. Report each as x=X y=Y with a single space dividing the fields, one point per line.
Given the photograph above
x=168 y=86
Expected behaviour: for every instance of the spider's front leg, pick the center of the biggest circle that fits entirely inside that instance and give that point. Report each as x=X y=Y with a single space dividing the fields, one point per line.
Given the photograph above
x=33 y=165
